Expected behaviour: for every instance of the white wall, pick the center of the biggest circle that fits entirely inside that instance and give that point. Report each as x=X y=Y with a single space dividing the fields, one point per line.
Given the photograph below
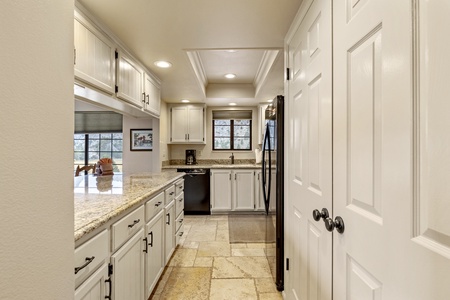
x=206 y=152
x=36 y=133
x=140 y=161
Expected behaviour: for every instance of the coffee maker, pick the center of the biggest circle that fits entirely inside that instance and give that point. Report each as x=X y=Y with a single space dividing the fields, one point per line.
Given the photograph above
x=190 y=157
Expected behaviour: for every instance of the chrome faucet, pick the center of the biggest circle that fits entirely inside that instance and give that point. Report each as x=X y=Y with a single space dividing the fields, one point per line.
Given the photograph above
x=232 y=158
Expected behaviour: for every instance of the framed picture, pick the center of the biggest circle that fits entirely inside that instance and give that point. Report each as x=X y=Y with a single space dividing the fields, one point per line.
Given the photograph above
x=141 y=139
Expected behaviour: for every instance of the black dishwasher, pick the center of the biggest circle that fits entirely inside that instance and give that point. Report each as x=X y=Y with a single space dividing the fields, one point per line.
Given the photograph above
x=196 y=191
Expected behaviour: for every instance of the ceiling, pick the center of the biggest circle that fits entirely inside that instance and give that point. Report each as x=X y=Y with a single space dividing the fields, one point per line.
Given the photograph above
x=204 y=40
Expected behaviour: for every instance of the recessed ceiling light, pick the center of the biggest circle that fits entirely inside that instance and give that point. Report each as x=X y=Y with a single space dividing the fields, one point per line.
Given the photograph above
x=185 y=100
x=163 y=64
x=231 y=51
x=270 y=100
x=232 y=104
x=230 y=76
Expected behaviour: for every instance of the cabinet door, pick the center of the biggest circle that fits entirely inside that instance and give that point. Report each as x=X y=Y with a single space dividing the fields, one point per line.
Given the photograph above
x=152 y=95
x=220 y=190
x=262 y=123
x=259 y=200
x=129 y=80
x=179 y=124
x=128 y=269
x=195 y=125
x=243 y=190
x=169 y=231
x=94 y=287
x=94 y=55
x=155 y=257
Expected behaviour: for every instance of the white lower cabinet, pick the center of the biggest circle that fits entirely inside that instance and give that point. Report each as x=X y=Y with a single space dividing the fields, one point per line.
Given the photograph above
x=125 y=260
x=232 y=190
x=154 y=258
x=169 y=230
x=128 y=269
x=243 y=190
x=220 y=190
x=95 y=287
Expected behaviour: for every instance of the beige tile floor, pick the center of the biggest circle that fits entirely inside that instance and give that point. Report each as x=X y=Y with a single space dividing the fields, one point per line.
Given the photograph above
x=206 y=266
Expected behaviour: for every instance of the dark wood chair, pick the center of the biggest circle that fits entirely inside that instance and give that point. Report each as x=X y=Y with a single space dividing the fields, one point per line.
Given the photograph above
x=84 y=168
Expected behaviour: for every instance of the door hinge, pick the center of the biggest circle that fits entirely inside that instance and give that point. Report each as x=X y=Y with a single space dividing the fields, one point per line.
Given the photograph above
x=170 y=139
x=254 y=206
x=288 y=72
x=116 y=54
x=117 y=89
x=287 y=264
x=110 y=269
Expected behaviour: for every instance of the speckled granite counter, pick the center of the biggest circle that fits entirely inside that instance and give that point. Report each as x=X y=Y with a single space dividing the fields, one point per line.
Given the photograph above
x=99 y=199
x=215 y=166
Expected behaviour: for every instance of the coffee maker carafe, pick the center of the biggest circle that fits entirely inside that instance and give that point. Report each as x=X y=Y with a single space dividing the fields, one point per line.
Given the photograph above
x=190 y=157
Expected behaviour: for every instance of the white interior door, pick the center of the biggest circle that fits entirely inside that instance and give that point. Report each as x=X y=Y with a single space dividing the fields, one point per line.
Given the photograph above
x=309 y=152
x=391 y=149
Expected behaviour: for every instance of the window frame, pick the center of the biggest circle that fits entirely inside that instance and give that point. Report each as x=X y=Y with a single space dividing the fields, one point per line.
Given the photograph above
x=87 y=151
x=232 y=137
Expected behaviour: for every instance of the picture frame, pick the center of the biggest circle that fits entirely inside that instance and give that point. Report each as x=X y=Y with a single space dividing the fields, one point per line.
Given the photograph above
x=141 y=139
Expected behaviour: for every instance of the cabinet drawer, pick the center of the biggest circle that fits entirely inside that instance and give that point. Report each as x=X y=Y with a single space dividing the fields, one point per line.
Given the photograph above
x=179 y=222
x=94 y=250
x=169 y=194
x=125 y=228
x=179 y=187
x=179 y=235
x=154 y=206
x=179 y=204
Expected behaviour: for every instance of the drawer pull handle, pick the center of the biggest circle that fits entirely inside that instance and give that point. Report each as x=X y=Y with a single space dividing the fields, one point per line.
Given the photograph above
x=181 y=221
x=158 y=204
x=171 y=193
x=110 y=288
x=88 y=261
x=168 y=219
x=134 y=223
x=181 y=234
x=181 y=199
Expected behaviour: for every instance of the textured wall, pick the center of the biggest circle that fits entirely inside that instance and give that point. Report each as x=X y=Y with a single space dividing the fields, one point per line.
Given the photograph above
x=140 y=161
x=36 y=129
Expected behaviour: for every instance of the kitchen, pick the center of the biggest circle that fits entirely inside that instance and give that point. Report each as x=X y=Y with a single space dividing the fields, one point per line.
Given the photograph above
x=35 y=265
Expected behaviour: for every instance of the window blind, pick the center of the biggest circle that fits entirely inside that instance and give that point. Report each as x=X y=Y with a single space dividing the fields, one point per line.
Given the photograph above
x=98 y=122
x=232 y=115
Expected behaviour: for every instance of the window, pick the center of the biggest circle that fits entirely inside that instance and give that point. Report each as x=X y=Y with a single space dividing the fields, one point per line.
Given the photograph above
x=232 y=134
x=89 y=148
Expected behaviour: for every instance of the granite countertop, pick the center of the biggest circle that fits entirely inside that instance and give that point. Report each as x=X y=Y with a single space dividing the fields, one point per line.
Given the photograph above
x=214 y=166
x=98 y=199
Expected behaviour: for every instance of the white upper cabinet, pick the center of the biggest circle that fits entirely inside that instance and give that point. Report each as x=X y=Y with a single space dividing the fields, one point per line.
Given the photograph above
x=187 y=124
x=262 y=122
x=152 y=95
x=130 y=79
x=94 y=55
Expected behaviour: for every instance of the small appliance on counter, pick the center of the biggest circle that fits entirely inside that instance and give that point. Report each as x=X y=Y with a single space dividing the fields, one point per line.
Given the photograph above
x=190 y=157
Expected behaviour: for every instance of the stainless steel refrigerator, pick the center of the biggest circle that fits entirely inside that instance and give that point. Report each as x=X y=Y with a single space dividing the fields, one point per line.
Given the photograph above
x=273 y=160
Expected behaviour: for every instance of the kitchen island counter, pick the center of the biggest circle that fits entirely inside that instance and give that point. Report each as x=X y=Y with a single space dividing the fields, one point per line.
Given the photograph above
x=98 y=199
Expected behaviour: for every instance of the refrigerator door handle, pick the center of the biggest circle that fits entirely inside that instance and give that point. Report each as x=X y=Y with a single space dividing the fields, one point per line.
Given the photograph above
x=266 y=185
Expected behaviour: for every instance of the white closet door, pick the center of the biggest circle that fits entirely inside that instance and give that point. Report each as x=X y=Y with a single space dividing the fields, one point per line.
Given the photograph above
x=392 y=196
x=309 y=153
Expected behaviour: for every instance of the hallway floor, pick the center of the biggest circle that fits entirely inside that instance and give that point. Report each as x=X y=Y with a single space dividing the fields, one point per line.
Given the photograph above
x=206 y=266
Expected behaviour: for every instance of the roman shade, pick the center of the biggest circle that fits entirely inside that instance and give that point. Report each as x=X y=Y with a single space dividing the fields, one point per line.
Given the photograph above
x=232 y=115
x=97 y=122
